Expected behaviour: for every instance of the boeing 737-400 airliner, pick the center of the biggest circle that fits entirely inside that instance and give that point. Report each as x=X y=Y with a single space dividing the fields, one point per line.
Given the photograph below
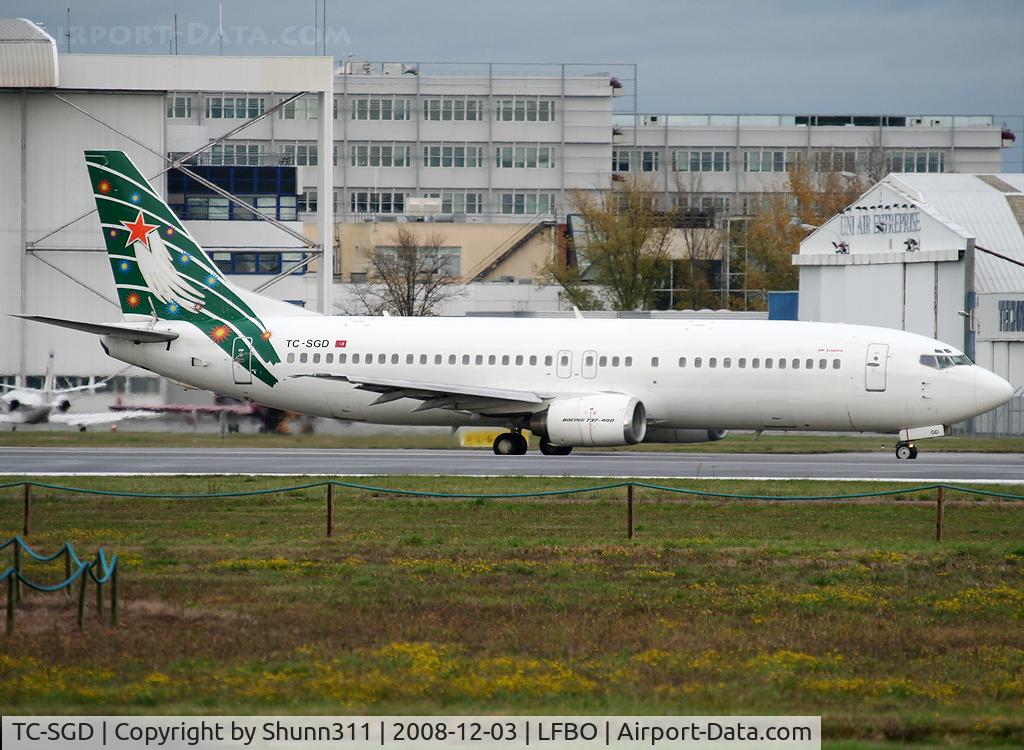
x=575 y=382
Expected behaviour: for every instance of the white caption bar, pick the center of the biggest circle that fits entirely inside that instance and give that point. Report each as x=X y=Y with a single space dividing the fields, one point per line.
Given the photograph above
x=410 y=732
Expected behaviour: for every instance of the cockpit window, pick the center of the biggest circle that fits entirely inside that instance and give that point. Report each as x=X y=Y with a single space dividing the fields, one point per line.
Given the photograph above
x=943 y=361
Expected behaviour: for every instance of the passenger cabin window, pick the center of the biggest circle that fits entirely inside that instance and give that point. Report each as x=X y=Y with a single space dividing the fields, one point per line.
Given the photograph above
x=329 y=359
x=654 y=361
x=742 y=362
x=755 y=363
x=291 y=357
x=727 y=362
x=303 y=357
x=479 y=359
x=533 y=360
x=713 y=362
x=548 y=360
x=628 y=362
x=602 y=361
x=835 y=364
x=465 y=359
x=438 y=359
x=697 y=361
x=519 y=360
x=563 y=360
x=423 y=359
x=409 y=358
x=822 y=364
x=809 y=364
x=316 y=358
x=342 y=358
x=452 y=359
x=394 y=359
x=615 y=361
x=796 y=364
x=505 y=360
x=382 y=358
x=768 y=363
x=782 y=363
x=492 y=359
x=682 y=361
x=355 y=359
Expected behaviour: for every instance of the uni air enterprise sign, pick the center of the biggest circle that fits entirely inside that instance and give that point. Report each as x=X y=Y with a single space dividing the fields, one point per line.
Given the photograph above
x=902 y=222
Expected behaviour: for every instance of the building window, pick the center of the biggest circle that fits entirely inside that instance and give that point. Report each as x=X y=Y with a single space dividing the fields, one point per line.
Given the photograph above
x=525 y=109
x=234 y=107
x=837 y=160
x=452 y=108
x=459 y=202
x=303 y=108
x=306 y=201
x=527 y=203
x=768 y=160
x=269 y=264
x=439 y=261
x=700 y=161
x=299 y=154
x=179 y=106
x=916 y=161
x=452 y=155
x=635 y=160
x=375 y=202
x=380 y=108
x=236 y=154
x=380 y=155
x=525 y=157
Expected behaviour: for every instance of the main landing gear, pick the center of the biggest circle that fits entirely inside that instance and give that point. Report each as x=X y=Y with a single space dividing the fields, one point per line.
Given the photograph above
x=906 y=451
x=510 y=444
x=554 y=450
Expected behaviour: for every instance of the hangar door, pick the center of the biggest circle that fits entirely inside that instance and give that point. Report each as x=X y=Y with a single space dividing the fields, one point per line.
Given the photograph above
x=874 y=367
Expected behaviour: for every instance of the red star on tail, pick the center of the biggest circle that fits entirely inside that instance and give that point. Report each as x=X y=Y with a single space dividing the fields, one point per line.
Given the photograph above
x=138 y=230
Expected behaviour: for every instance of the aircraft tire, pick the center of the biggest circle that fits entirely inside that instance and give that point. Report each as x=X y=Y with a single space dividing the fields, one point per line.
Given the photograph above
x=554 y=450
x=509 y=444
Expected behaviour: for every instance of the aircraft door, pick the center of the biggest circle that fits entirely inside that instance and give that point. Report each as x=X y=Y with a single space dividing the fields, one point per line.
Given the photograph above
x=563 y=365
x=241 y=360
x=875 y=367
x=589 y=366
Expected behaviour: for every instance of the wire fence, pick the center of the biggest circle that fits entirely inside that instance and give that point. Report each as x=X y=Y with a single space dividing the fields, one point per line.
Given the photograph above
x=101 y=571
x=630 y=487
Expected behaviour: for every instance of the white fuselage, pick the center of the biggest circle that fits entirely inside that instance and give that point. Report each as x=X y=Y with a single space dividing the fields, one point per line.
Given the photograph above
x=688 y=374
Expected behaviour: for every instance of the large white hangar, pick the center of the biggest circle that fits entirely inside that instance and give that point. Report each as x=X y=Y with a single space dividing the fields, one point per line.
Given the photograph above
x=937 y=254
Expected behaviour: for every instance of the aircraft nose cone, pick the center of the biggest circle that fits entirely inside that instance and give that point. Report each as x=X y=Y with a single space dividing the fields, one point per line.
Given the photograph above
x=990 y=390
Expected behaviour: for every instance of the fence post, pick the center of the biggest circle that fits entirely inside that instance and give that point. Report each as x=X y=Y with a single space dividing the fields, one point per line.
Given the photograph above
x=629 y=510
x=67 y=568
x=939 y=513
x=113 y=595
x=17 y=569
x=10 y=603
x=330 y=508
x=99 y=598
x=28 y=508
x=81 y=599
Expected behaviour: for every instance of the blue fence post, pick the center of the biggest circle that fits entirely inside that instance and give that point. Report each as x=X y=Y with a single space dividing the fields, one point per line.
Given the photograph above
x=10 y=603
x=113 y=595
x=81 y=599
x=17 y=570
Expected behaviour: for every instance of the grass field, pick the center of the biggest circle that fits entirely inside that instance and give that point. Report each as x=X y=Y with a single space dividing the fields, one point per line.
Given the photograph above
x=734 y=443
x=850 y=610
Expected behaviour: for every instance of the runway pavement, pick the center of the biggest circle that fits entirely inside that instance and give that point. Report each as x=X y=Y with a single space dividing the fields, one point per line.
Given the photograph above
x=949 y=467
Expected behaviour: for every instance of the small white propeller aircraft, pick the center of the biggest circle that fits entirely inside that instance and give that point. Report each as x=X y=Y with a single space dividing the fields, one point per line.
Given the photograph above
x=22 y=405
x=581 y=382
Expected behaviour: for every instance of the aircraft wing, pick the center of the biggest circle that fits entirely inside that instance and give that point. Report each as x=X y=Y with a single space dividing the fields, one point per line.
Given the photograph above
x=206 y=409
x=106 y=417
x=483 y=399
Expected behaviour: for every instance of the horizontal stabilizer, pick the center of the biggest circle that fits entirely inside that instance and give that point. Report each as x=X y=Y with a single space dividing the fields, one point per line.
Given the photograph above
x=138 y=335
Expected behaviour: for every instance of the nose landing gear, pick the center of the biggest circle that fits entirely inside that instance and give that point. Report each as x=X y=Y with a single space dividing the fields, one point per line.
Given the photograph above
x=906 y=451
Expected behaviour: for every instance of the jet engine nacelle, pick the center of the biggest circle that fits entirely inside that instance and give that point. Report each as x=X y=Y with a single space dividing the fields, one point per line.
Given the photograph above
x=62 y=405
x=663 y=435
x=603 y=419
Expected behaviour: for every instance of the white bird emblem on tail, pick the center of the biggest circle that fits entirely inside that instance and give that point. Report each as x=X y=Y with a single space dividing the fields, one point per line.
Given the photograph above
x=156 y=266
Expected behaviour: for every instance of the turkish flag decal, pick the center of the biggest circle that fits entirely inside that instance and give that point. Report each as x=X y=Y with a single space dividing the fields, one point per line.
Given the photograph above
x=340 y=344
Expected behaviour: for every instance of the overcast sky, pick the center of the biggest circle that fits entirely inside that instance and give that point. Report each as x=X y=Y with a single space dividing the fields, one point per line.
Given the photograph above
x=785 y=56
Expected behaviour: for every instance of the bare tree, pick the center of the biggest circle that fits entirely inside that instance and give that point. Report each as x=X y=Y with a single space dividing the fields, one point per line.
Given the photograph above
x=700 y=243
x=410 y=277
x=774 y=232
x=623 y=255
